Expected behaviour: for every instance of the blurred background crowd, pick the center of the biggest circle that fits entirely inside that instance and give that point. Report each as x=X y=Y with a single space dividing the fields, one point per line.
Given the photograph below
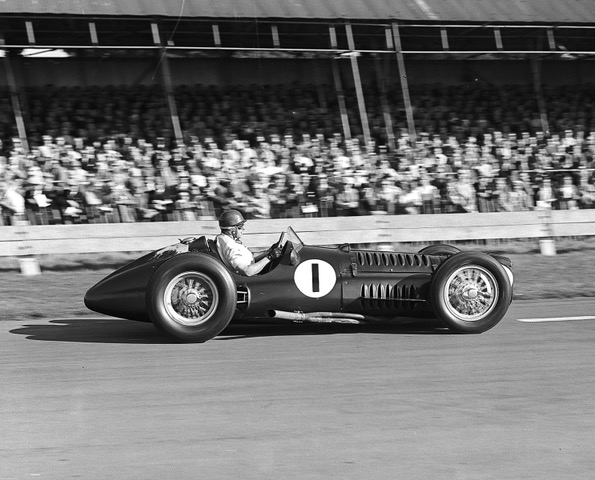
x=107 y=154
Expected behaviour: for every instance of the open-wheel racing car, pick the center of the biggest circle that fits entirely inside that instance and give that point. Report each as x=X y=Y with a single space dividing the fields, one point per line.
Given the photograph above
x=188 y=292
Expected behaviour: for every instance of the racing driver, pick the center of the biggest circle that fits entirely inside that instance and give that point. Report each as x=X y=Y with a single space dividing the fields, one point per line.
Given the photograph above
x=234 y=253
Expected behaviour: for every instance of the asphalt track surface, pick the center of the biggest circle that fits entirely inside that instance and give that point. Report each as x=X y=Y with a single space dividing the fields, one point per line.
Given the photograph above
x=104 y=398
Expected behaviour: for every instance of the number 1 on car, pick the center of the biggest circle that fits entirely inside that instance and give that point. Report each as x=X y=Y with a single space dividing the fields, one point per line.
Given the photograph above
x=315 y=278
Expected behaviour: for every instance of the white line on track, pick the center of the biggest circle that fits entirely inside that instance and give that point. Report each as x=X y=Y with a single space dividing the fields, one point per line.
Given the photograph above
x=554 y=319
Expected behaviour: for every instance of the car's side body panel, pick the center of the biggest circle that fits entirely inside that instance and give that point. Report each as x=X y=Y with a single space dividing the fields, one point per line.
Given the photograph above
x=325 y=280
x=295 y=288
x=123 y=292
x=387 y=284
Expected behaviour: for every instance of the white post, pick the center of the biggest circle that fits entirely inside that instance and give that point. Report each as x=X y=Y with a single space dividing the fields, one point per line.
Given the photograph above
x=29 y=266
x=547 y=244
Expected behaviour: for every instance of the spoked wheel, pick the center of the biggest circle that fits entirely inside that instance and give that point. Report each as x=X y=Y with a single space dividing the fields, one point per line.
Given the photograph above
x=470 y=292
x=191 y=297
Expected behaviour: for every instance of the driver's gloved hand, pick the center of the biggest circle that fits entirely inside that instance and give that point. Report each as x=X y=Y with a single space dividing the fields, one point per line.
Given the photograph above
x=274 y=252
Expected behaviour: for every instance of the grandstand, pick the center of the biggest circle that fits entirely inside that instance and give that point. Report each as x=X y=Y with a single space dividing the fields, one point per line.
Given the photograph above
x=388 y=85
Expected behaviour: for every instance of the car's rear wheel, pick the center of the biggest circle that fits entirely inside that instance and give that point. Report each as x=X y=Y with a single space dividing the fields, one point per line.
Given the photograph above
x=470 y=292
x=191 y=297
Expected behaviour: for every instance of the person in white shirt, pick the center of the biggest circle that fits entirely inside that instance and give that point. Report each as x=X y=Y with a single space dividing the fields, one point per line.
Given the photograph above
x=234 y=253
x=11 y=201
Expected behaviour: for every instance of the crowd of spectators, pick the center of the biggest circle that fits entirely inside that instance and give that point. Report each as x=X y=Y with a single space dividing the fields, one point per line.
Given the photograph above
x=276 y=153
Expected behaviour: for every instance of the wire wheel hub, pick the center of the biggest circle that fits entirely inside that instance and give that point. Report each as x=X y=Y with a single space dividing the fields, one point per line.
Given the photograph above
x=191 y=298
x=471 y=293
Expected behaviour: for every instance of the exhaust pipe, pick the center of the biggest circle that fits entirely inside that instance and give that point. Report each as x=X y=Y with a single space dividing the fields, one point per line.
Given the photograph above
x=318 y=317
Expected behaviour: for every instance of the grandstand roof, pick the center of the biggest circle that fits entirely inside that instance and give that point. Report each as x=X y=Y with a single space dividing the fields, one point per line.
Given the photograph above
x=490 y=11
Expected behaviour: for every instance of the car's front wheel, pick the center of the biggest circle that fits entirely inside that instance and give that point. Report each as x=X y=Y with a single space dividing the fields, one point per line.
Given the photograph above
x=470 y=292
x=191 y=297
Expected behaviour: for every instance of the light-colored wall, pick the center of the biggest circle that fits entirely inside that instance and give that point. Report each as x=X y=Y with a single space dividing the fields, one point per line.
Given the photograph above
x=373 y=229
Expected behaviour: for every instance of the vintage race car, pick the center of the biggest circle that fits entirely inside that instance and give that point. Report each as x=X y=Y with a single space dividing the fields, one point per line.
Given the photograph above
x=188 y=292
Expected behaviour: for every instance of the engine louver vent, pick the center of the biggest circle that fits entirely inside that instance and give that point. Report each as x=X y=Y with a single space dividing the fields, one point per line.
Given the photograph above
x=383 y=298
x=381 y=259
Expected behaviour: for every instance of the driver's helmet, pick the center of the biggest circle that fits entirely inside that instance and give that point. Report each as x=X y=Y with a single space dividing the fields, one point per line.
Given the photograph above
x=230 y=219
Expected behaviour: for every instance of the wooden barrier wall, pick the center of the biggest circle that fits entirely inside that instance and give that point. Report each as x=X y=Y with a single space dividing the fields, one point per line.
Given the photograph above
x=17 y=241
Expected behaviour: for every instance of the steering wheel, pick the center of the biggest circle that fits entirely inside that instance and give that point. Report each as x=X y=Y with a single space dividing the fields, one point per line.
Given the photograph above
x=281 y=243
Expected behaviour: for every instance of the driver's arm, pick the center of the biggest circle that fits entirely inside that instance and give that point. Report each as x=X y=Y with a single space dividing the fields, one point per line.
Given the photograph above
x=255 y=267
x=260 y=256
x=268 y=252
x=261 y=261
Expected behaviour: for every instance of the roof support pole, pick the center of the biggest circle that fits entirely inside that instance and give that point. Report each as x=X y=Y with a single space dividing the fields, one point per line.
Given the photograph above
x=168 y=86
x=536 y=71
x=359 y=91
x=171 y=101
x=341 y=100
x=14 y=98
x=381 y=70
x=404 y=83
x=339 y=88
x=319 y=87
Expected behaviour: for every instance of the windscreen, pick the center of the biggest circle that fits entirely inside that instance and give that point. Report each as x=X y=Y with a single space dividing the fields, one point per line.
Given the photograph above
x=290 y=236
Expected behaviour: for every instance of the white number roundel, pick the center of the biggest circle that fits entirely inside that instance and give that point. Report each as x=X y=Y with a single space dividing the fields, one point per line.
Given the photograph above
x=315 y=278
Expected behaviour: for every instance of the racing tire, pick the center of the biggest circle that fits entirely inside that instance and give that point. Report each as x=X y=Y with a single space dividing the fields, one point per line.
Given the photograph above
x=191 y=297
x=439 y=249
x=470 y=292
